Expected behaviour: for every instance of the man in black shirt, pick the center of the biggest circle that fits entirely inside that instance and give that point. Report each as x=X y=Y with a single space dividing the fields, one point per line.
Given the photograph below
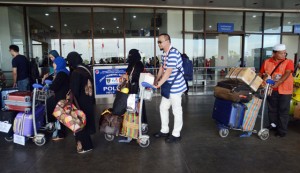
x=20 y=65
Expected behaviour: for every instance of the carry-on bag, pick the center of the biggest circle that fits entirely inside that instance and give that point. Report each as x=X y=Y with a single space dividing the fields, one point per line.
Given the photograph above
x=109 y=123
x=233 y=91
x=23 y=124
x=120 y=103
x=130 y=126
x=228 y=113
x=251 y=113
x=18 y=101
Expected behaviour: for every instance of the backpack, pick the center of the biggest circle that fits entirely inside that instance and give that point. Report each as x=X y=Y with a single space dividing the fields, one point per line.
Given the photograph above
x=187 y=66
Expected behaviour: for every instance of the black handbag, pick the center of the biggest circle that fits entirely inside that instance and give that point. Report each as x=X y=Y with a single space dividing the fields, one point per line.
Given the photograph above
x=120 y=103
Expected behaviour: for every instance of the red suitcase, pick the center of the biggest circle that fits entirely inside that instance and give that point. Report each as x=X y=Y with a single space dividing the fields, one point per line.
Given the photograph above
x=18 y=101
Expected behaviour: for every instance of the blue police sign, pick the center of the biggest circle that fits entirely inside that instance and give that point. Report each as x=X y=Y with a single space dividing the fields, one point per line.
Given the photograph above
x=107 y=79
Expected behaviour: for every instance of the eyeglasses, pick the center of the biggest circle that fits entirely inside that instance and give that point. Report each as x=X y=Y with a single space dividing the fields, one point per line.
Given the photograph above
x=160 y=42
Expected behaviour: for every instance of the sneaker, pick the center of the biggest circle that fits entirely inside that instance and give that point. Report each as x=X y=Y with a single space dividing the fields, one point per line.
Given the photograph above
x=280 y=135
x=160 y=134
x=83 y=151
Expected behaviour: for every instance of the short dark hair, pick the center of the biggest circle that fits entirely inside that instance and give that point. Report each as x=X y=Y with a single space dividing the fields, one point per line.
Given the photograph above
x=167 y=36
x=14 y=48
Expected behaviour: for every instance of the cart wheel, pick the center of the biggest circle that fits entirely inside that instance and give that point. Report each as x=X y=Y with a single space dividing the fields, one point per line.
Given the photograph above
x=9 y=139
x=144 y=143
x=39 y=142
x=223 y=133
x=263 y=134
x=109 y=137
x=145 y=129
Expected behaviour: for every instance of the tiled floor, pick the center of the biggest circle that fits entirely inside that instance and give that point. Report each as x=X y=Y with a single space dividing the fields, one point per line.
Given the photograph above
x=201 y=149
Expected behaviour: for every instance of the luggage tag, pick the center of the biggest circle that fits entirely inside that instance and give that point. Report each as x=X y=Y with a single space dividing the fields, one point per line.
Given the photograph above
x=4 y=126
x=19 y=139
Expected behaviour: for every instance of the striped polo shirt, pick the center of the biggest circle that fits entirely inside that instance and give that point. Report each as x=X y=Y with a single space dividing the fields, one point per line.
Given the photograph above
x=173 y=60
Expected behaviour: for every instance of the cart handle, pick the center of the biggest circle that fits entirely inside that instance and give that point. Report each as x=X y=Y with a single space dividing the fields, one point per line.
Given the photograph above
x=147 y=85
x=270 y=81
x=37 y=86
x=48 y=82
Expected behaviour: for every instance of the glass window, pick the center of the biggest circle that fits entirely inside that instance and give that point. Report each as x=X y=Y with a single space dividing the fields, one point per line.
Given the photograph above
x=171 y=24
x=234 y=51
x=289 y=20
x=253 y=43
x=269 y=42
x=254 y=22
x=212 y=51
x=43 y=29
x=215 y=17
x=12 y=31
x=291 y=42
x=194 y=48
x=272 y=23
x=139 y=29
x=108 y=35
x=194 y=20
x=76 y=32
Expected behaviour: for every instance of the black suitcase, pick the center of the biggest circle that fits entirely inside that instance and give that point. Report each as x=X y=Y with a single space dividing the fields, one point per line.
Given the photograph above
x=236 y=91
x=8 y=117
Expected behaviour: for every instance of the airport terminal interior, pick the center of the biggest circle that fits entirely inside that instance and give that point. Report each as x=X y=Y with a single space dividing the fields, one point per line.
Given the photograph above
x=216 y=35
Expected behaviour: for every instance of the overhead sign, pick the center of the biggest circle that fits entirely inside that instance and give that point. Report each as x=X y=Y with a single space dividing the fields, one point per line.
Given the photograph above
x=107 y=79
x=225 y=27
x=297 y=29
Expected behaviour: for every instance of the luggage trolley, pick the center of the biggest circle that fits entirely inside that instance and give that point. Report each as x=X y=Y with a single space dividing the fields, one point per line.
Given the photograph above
x=263 y=133
x=146 y=93
x=40 y=93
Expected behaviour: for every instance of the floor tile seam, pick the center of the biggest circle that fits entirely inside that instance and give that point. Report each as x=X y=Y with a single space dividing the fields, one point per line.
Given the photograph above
x=38 y=159
x=184 y=158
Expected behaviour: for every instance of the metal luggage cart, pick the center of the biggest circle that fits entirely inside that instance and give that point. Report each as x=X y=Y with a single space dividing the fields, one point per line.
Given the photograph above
x=263 y=133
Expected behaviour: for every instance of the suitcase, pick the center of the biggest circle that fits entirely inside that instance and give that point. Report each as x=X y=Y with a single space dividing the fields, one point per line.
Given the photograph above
x=228 y=113
x=18 y=101
x=109 y=123
x=251 y=113
x=4 y=93
x=8 y=117
x=233 y=90
x=23 y=124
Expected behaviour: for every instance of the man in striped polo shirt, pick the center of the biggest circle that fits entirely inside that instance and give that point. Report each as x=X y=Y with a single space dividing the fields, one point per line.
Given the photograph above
x=170 y=71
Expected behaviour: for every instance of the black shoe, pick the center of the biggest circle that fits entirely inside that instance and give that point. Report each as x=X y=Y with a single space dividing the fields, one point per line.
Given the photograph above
x=160 y=134
x=281 y=135
x=270 y=127
x=172 y=139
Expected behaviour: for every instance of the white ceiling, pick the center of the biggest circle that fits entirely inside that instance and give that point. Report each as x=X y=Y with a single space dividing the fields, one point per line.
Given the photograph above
x=249 y=4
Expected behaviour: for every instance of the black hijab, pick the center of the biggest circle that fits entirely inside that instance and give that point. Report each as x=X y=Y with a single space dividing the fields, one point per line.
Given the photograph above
x=134 y=56
x=74 y=59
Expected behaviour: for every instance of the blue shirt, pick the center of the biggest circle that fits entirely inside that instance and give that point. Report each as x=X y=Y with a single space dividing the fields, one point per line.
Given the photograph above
x=173 y=60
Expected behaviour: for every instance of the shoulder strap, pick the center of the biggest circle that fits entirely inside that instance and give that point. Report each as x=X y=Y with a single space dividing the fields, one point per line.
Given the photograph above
x=277 y=67
x=83 y=67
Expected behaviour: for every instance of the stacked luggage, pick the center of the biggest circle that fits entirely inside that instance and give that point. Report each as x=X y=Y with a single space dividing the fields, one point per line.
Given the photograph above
x=21 y=116
x=237 y=103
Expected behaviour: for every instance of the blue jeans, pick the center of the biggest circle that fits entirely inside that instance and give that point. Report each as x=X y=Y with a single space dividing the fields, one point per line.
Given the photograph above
x=23 y=85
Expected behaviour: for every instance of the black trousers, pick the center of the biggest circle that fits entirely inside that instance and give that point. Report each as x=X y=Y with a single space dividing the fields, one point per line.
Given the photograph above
x=278 y=110
x=84 y=137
